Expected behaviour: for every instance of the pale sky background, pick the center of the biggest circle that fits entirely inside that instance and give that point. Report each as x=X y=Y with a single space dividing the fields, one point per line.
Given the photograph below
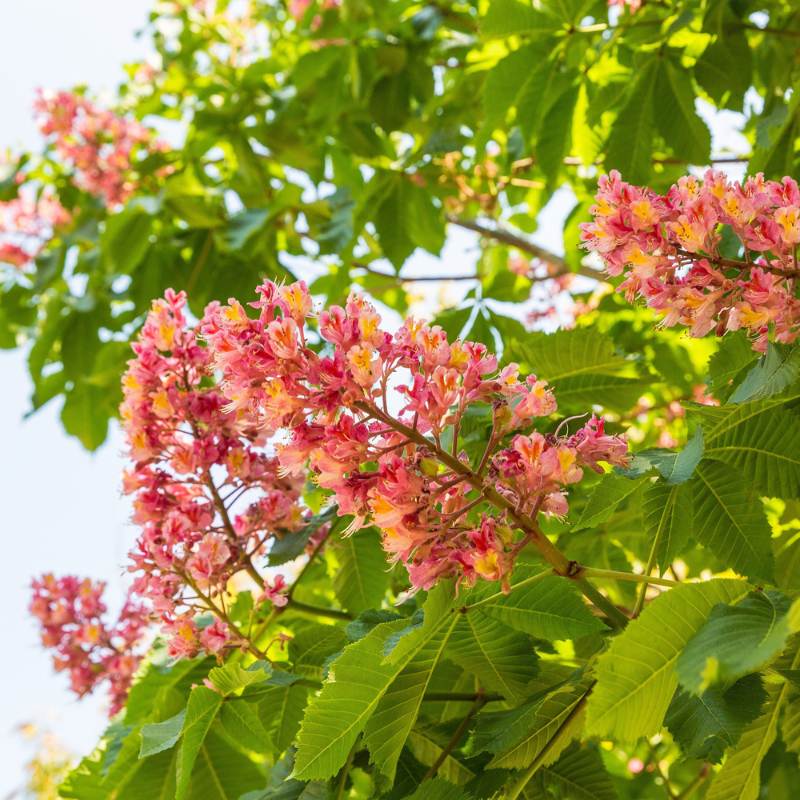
x=61 y=506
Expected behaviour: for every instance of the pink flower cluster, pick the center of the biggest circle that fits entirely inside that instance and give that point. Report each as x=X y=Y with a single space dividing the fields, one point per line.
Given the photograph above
x=194 y=461
x=97 y=143
x=668 y=249
x=26 y=225
x=71 y=612
x=385 y=466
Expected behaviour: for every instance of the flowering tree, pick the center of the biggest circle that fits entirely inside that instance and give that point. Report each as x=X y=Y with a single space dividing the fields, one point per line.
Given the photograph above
x=260 y=138
x=430 y=559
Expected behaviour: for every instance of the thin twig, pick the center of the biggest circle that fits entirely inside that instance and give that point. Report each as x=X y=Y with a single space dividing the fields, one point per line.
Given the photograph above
x=476 y=707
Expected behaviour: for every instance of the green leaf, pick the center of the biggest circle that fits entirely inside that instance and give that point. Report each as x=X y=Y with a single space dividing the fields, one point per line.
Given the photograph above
x=740 y=777
x=83 y=414
x=244 y=225
x=551 y=609
x=728 y=367
x=144 y=695
x=730 y=520
x=427 y=742
x=605 y=498
x=738 y=639
x=497 y=731
x=386 y=731
x=550 y=716
x=667 y=514
x=335 y=718
x=125 y=238
x=516 y=18
x=160 y=736
x=293 y=544
x=502 y=659
x=438 y=789
x=221 y=773
x=706 y=725
x=683 y=130
x=675 y=468
x=280 y=710
x=233 y=676
x=578 y=775
x=361 y=581
x=774 y=371
x=311 y=648
x=244 y=727
x=758 y=438
x=630 y=145
x=636 y=675
x=203 y=707
x=583 y=367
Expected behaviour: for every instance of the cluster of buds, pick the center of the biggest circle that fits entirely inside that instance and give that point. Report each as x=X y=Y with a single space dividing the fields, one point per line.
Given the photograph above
x=196 y=462
x=386 y=465
x=668 y=249
x=70 y=612
x=98 y=144
x=26 y=225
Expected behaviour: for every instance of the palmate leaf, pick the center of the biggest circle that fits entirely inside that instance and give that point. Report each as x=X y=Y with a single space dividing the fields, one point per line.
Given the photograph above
x=630 y=147
x=203 y=707
x=738 y=639
x=729 y=519
x=357 y=681
x=605 y=498
x=498 y=731
x=158 y=678
x=241 y=723
x=388 y=727
x=668 y=515
x=759 y=439
x=677 y=120
x=731 y=363
x=740 y=777
x=578 y=775
x=280 y=710
x=160 y=736
x=516 y=18
x=583 y=367
x=636 y=676
x=552 y=608
x=501 y=658
x=706 y=725
x=550 y=716
x=233 y=676
x=439 y=789
x=426 y=743
x=361 y=580
x=221 y=772
x=311 y=649
x=774 y=371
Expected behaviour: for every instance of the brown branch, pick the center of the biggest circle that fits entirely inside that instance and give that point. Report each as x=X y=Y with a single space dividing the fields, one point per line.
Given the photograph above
x=730 y=263
x=504 y=237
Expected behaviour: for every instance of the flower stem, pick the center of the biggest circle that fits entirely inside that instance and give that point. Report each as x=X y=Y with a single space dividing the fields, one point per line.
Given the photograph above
x=561 y=564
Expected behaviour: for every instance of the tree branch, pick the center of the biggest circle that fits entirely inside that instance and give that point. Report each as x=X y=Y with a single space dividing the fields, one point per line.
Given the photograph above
x=504 y=237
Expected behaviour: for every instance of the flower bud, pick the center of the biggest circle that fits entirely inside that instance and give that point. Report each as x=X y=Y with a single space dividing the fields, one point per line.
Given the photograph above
x=429 y=467
x=501 y=414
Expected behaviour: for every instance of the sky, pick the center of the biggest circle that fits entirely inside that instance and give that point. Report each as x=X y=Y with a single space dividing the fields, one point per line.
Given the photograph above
x=61 y=507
